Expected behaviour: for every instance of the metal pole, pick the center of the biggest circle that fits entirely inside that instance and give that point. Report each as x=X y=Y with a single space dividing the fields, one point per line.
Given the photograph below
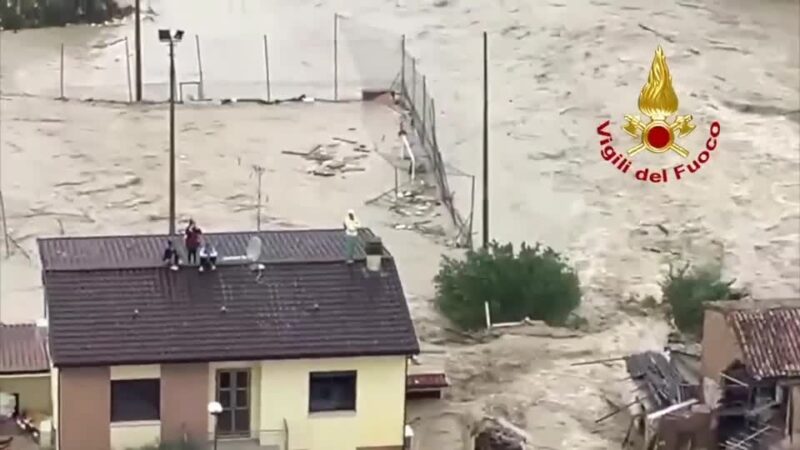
x=216 y=429
x=266 y=66
x=171 y=137
x=199 y=67
x=259 y=172
x=403 y=66
x=128 y=68
x=414 y=84
x=62 y=70
x=138 y=45
x=424 y=107
x=336 y=56
x=5 y=225
x=471 y=210
x=485 y=143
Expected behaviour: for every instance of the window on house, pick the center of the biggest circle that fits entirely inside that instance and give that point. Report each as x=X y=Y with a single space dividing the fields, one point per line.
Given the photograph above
x=135 y=400
x=233 y=393
x=332 y=391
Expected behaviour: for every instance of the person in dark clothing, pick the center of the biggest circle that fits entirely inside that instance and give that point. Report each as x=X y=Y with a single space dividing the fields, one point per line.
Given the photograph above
x=192 y=240
x=171 y=257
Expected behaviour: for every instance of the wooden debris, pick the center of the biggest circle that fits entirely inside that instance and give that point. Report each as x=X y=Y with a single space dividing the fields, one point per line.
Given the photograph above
x=349 y=141
x=499 y=434
x=353 y=169
x=323 y=172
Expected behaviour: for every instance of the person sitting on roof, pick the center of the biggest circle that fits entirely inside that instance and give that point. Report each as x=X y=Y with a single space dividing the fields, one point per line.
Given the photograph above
x=171 y=257
x=192 y=240
x=208 y=256
x=351 y=226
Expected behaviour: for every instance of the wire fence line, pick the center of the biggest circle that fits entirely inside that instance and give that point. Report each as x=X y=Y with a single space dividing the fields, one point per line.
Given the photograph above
x=337 y=64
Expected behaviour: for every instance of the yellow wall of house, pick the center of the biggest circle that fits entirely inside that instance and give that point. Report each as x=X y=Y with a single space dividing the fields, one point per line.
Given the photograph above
x=127 y=435
x=34 y=391
x=255 y=390
x=380 y=404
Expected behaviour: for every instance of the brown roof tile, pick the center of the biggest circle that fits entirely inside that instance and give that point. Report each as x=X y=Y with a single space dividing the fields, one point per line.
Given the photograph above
x=23 y=349
x=769 y=339
x=296 y=308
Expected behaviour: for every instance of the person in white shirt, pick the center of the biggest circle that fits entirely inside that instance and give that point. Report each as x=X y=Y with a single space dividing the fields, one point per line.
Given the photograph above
x=351 y=226
x=208 y=256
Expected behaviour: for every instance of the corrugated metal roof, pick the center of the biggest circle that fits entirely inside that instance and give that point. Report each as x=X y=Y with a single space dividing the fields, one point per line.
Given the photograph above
x=769 y=339
x=145 y=251
x=23 y=349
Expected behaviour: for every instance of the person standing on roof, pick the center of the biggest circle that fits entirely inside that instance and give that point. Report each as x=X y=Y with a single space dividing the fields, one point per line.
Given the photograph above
x=351 y=226
x=192 y=239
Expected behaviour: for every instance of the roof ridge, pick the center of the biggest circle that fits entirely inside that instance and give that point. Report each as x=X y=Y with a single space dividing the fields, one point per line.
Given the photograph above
x=356 y=260
x=165 y=235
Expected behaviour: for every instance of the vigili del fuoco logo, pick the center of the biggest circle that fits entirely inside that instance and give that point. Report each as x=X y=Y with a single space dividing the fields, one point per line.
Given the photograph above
x=659 y=134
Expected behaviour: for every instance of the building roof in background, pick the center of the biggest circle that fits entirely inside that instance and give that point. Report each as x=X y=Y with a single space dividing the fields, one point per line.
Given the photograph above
x=145 y=251
x=306 y=303
x=23 y=349
x=769 y=339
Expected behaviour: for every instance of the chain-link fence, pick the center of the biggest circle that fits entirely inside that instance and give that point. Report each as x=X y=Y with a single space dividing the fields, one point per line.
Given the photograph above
x=339 y=62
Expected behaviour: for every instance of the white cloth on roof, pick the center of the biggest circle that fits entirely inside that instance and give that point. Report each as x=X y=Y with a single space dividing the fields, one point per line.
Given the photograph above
x=206 y=252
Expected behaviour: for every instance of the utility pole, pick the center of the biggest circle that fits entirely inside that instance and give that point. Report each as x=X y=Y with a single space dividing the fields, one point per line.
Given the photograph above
x=172 y=137
x=138 y=45
x=485 y=143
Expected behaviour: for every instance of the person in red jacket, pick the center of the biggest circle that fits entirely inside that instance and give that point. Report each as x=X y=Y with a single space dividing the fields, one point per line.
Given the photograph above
x=192 y=240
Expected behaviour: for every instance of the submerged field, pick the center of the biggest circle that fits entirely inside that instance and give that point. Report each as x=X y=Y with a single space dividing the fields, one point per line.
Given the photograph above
x=557 y=71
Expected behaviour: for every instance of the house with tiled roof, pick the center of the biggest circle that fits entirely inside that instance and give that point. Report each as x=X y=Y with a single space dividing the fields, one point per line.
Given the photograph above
x=301 y=349
x=751 y=370
x=24 y=379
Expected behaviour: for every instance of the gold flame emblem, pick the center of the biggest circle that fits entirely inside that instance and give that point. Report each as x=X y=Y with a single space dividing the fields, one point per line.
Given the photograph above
x=658 y=101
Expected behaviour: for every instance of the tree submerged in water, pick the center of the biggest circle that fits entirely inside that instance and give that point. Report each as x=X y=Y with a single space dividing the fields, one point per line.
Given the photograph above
x=535 y=282
x=687 y=289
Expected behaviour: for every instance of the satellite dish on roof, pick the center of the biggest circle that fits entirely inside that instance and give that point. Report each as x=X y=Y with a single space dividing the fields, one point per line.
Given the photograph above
x=254 y=249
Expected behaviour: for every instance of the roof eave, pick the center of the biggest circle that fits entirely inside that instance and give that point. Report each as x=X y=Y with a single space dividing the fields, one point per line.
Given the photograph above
x=405 y=352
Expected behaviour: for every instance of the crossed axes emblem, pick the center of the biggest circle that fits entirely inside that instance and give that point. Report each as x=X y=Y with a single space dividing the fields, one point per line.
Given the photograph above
x=681 y=127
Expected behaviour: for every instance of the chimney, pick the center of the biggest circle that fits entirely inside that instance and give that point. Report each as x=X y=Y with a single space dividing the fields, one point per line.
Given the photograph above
x=374 y=250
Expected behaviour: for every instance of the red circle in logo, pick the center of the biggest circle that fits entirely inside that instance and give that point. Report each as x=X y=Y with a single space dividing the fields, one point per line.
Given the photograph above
x=658 y=136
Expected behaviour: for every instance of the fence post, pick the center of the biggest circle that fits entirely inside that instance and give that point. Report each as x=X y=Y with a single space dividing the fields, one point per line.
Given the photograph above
x=266 y=67
x=414 y=84
x=5 y=224
x=128 y=68
x=200 y=89
x=432 y=119
x=62 y=71
x=471 y=211
x=336 y=56
x=424 y=107
x=403 y=67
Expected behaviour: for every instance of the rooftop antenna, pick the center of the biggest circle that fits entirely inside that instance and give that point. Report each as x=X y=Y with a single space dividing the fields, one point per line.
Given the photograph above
x=251 y=256
x=254 y=253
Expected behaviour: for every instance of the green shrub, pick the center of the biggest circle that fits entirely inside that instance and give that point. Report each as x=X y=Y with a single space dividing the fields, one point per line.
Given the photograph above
x=687 y=289
x=536 y=282
x=9 y=19
x=55 y=14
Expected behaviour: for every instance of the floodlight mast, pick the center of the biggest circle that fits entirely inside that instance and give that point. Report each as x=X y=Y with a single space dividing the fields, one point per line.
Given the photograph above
x=171 y=36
